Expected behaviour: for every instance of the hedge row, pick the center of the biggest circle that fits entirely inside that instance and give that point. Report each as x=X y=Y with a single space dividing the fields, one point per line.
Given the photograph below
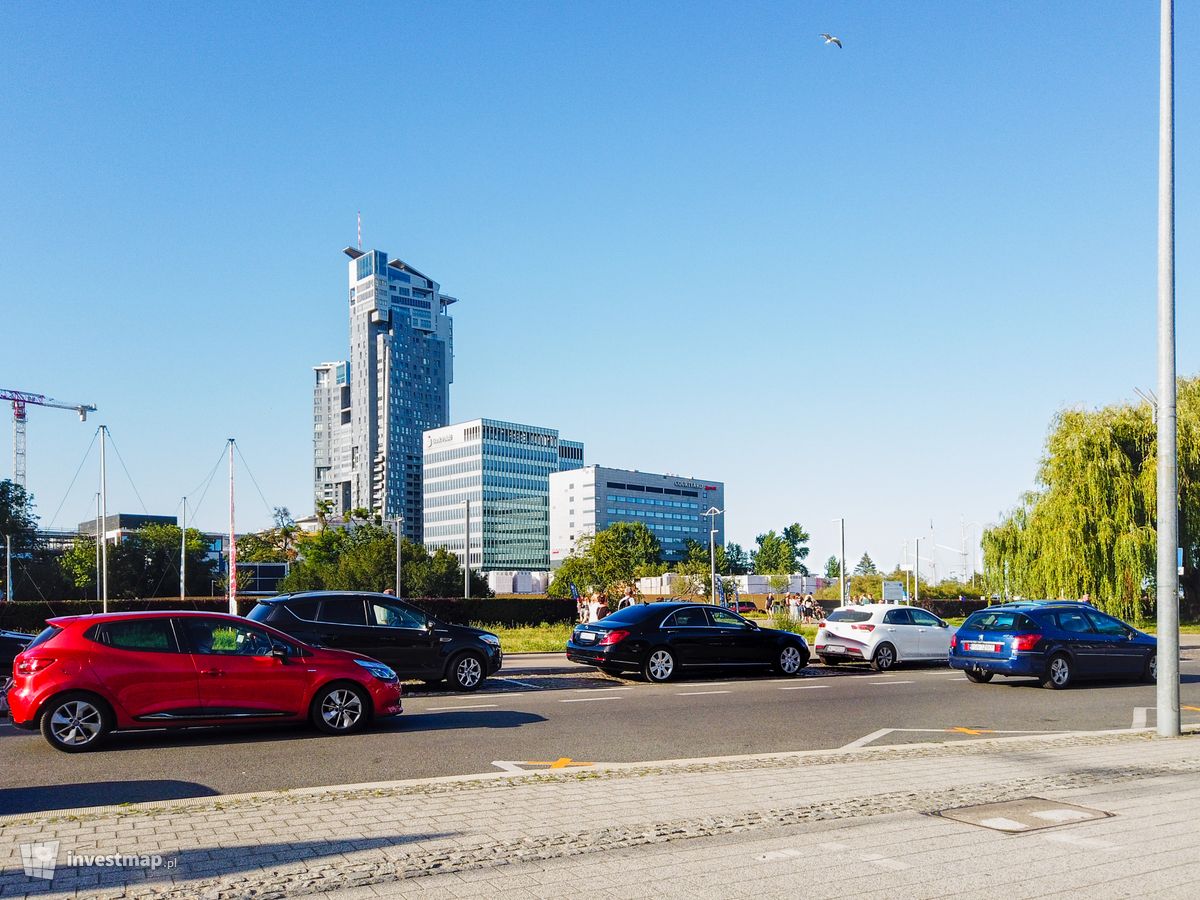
x=31 y=615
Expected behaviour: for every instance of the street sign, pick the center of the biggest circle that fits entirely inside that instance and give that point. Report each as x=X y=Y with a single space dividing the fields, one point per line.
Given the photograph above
x=893 y=591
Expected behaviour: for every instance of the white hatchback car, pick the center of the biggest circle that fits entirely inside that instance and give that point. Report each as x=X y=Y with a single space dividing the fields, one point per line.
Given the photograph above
x=882 y=634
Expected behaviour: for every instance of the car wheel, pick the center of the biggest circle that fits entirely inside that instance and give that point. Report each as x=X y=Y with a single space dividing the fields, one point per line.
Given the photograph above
x=75 y=722
x=978 y=675
x=884 y=657
x=790 y=660
x=1058 y=672
x=339 y=709
x=1150 y=673
x=659 y=665
x=466 y=672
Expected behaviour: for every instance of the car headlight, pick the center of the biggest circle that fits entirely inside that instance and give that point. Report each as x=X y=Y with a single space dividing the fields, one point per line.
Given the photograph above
x=490 y=639
x=378 y=669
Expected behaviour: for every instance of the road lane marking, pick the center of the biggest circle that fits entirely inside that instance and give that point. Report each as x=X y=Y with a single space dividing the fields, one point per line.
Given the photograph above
x=961 y=730
x=699 y=693
x=589 y=699
x=600 y=690
x=461 y=706
x=522 y=683
x=1139 y=716
x=891 y=682
x=804 y=687
x=562 y=762
x=867 y=738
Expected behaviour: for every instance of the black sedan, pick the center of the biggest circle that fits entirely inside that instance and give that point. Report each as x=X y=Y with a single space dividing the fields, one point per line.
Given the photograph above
x=408 y=639
x=663 y=640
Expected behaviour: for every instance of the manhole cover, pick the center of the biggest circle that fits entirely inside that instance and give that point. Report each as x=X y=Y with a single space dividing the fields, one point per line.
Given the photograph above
x=1027 y=814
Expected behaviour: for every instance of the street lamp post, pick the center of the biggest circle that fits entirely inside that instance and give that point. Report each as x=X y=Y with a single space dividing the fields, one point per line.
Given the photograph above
x=712 y=512
x=842 y=564
x=399 y=538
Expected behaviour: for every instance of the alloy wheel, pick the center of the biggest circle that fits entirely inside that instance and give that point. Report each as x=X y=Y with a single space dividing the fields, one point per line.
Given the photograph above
x=468 y=672
x=789 y=661
x=76 y=723
x=661 y=665
x=1060 y=671
x=342 y=709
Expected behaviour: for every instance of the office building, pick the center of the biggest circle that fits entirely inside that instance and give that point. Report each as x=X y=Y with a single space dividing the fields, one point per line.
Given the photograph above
x=370 y=410
x=592 y=498
x=503 y=470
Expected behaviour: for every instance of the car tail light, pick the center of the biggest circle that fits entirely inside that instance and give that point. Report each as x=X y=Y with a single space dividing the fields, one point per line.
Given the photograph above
x=1025 y=641
x=862 y=627
x=33 y=665
x=821 y=624
x=613 y=637
x=954 y=642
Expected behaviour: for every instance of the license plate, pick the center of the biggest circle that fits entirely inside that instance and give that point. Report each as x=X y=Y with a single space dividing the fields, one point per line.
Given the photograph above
x=834 y=648
x=587 y=637
x=983 y=648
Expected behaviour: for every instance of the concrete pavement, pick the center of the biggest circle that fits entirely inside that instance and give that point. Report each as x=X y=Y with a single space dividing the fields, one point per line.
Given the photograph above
x=819 y=823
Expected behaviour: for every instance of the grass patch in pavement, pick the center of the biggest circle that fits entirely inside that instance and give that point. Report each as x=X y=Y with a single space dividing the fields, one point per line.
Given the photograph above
x=542 y=638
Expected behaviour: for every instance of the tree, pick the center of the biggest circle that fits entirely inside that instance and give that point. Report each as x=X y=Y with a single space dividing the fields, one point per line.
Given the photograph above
x=797 y=539
x=737 y=560
x=1089 y=526
x=866 y=566
x=774 y=556
x=609 y=560
x=833 y=568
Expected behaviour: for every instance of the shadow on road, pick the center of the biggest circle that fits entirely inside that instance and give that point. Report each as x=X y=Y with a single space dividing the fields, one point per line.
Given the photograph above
x=209 y=862
x=474 y=718
x=67 y=796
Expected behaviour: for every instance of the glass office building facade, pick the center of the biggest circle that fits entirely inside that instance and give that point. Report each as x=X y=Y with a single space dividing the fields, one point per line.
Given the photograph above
x=370 y=411
x=502 y=470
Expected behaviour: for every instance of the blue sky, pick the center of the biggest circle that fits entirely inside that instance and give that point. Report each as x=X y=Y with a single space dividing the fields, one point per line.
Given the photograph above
x=852 y=282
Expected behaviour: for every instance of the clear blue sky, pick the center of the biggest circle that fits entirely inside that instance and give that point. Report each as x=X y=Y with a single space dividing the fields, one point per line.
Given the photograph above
x=689 y=234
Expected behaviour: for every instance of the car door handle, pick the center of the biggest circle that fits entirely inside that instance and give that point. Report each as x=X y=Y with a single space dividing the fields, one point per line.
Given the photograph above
x=215 y=673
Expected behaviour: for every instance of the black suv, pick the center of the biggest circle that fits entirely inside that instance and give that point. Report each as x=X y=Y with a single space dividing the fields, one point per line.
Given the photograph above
x=409 y=640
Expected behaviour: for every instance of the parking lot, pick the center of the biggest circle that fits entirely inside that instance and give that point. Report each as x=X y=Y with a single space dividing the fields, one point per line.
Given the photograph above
x=543 y=713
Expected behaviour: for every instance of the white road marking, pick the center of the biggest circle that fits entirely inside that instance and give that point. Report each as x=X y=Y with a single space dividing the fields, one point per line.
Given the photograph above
x=890 y=682
x=699 y=693
x=521 y=683
x=804 y=687
x=461 y=706
x=1139 y=716
x=600 y=690
x=589 y=699
x=867 y=738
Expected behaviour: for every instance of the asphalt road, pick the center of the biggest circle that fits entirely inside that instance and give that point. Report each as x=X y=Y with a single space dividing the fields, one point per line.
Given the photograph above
x=544 y=711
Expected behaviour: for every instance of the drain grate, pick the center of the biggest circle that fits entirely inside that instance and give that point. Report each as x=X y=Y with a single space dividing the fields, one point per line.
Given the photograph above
x=1026 y=814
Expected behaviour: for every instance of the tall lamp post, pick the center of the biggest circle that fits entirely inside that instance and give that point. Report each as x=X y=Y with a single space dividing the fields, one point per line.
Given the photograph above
x=399 y=538
x=842 y=564
x=712 y=512
x=1167 y=698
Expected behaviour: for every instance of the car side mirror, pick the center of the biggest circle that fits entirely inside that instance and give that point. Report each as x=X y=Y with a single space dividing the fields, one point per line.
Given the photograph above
x=279 y=652
x=753 y=625
x=943 y=624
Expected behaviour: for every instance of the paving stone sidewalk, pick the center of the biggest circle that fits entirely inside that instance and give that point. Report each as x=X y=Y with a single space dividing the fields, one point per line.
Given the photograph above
x=544 y=835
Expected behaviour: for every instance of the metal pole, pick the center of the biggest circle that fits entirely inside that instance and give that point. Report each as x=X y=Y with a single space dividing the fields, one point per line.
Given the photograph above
x=467 y=555
x=842 y=565
x=8 y=568
x=399 y=538
x=232 y=541
x=712 y=558
x=97 y=546
x=183 y=553
x=100 y=536
x=1168 y=497
x=917 y=572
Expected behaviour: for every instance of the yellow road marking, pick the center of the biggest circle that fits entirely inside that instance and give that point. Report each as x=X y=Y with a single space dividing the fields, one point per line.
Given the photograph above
x=562 y=762
x=961 y=730
x=1192 y=708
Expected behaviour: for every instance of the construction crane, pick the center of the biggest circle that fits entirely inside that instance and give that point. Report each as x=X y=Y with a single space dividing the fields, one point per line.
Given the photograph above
x=21 y=399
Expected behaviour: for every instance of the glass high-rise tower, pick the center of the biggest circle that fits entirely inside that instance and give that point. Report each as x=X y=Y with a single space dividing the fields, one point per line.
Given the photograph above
x=370 y=411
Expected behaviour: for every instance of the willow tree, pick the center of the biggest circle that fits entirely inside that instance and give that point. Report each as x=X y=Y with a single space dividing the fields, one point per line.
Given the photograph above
x=1089 y=526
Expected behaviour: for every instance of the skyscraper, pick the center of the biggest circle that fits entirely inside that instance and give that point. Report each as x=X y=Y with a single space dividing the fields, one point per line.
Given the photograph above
x=369 y=411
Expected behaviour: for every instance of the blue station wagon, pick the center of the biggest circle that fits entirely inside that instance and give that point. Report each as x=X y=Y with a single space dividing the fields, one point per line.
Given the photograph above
x=1056 y=642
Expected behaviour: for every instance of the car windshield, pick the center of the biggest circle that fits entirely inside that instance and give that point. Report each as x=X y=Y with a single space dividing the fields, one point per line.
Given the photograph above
x=848 y=615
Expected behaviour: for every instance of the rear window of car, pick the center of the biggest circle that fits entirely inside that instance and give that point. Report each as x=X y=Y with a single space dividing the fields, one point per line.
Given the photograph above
x=630 y=615
x=153 y=635
x=1000 y=620
x=849 y=615
x=344 y=611
x=1072 y=621
x=48 y=632
x=260 y=613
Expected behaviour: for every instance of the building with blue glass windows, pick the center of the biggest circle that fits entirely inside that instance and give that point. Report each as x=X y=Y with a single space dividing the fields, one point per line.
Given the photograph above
x=592 y=498
x=370 y=410
x=501 y=471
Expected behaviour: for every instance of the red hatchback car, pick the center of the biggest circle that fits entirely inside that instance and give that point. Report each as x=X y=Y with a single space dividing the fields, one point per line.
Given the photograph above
x=87 y=675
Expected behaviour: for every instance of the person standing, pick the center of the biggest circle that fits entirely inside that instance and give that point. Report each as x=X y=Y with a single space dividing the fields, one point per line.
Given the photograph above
x=627 y=599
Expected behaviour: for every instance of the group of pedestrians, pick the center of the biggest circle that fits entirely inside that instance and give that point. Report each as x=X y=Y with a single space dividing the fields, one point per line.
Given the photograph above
x=595 y=606
x=799 y=608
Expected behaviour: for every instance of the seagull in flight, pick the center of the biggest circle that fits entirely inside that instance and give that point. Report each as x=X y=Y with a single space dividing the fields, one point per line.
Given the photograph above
x=830 y=39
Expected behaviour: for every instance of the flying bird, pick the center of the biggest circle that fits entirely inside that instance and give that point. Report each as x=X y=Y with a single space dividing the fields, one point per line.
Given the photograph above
x=830 y=39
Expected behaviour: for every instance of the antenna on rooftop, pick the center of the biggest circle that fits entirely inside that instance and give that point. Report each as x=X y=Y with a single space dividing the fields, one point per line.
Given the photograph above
x=360 y=229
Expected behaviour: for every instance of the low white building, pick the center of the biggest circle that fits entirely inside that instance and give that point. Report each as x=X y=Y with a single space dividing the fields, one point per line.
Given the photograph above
x=518 y=582
x=670 y=584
